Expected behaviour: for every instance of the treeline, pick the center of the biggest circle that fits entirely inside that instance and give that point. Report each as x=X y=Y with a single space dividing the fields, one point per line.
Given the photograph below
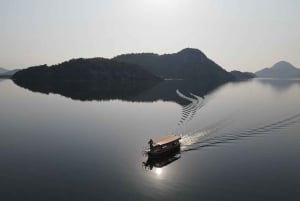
x=95 y=69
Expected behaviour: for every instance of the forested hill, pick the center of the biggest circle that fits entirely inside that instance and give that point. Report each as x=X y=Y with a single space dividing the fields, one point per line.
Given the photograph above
x=95 y=69
x=188 y=64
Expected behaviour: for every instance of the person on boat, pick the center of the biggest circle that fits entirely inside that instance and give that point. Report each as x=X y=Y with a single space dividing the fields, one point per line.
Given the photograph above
x=150 y=144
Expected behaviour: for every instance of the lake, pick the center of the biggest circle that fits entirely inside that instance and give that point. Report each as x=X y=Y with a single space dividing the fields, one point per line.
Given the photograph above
x=240 y=141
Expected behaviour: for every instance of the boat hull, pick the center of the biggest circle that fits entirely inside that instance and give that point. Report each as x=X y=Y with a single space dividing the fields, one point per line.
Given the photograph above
x=164 y=152
x=159 y=162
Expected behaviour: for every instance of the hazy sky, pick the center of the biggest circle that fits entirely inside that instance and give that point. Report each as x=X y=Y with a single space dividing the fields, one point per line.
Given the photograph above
x=237 y=34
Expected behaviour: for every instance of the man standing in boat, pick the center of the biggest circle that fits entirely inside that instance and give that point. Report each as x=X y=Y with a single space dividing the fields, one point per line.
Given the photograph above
x=151 y=144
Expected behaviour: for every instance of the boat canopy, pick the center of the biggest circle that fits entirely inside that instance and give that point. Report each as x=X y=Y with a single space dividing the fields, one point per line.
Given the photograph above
x=166 y=139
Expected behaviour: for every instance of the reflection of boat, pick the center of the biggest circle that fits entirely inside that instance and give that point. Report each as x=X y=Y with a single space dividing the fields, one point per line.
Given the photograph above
x=164 y=146
x=162 y=161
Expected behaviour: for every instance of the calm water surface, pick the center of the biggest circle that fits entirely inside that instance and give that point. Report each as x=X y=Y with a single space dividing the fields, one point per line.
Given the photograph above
x=240 y=142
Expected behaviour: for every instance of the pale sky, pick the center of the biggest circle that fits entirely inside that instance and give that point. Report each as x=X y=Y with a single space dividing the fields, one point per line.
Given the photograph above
x=245 y=35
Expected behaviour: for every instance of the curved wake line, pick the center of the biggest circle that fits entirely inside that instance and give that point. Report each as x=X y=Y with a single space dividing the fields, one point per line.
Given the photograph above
x=189 y=111
x=184 y=96
x=208 y=137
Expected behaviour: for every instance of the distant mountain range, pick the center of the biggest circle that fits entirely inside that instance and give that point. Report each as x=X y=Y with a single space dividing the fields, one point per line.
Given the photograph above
x=187 y=64
x=281 y=69
x=4 y=73
x=2 y=70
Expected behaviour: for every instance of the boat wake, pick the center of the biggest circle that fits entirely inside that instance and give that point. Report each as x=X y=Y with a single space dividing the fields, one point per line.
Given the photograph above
x=189 y=111
x=218 y=134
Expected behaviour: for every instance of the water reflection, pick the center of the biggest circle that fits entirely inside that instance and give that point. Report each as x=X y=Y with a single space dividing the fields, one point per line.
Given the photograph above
x=168 y=90
x=89 y=90
x=279 y=84
x=158 y=171
x=160 y=162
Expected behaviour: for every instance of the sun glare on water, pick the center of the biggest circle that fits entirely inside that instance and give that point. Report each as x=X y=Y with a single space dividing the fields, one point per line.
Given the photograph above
x=158 y=171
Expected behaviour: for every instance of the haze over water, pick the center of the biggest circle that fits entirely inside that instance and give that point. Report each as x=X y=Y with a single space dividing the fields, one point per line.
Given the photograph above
x=240 y=142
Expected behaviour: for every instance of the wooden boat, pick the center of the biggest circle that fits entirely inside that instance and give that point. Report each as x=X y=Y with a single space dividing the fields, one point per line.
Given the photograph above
x=162 y=161
x=164 y=145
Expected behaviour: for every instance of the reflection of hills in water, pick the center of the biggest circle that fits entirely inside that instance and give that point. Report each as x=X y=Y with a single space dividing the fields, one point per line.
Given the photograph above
x=217 y=135
x=129 y=91
x=279 y=84
x=167 y=91
x=88 y=90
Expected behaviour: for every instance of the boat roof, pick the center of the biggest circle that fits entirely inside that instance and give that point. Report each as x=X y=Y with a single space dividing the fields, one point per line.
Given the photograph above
x=166 y=139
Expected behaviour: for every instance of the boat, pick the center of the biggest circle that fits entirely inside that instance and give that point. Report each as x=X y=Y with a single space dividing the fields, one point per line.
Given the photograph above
x=164 y=145
x=160 y=162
